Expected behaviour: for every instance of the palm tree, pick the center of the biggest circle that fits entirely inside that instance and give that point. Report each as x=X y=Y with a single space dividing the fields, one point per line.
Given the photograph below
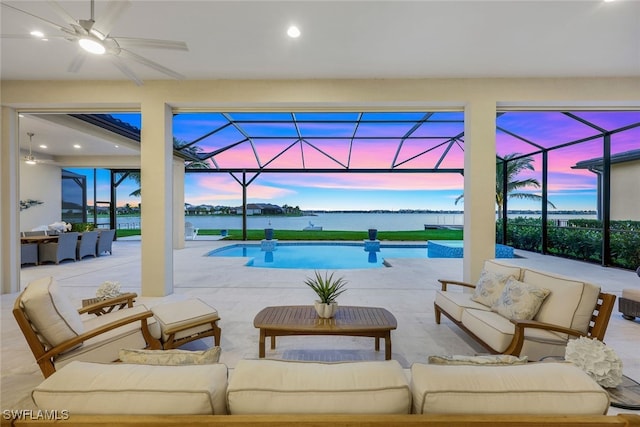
x=193 y=163
x=514 y=167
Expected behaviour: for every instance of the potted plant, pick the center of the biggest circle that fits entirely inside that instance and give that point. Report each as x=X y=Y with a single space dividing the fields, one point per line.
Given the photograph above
x=328 y=289
x=373 y=233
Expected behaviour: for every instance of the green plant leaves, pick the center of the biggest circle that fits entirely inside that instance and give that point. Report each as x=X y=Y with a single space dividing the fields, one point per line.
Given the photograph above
x=326 y=287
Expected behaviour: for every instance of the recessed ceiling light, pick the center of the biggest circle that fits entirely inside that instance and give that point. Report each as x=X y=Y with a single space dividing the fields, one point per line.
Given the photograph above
x=21 y=115
x=76 y=146
x=293 y=32
x=117 y=146
x=37 y=33
x=42 y=146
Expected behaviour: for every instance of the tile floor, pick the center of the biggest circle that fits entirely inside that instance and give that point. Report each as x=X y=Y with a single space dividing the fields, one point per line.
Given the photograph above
x=406 y=289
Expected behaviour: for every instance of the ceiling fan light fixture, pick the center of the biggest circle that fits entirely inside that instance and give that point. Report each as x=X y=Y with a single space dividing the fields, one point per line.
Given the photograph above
x=92 y=45
x=30 y=160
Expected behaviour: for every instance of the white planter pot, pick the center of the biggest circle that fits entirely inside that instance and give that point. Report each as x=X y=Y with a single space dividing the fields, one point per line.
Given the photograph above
x=326 y=311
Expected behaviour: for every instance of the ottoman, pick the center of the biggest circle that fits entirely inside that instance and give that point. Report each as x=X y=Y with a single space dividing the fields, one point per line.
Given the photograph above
x=185 y=321
x=629 y=303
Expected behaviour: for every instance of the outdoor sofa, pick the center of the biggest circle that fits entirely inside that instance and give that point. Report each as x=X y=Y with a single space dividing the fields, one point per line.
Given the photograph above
x=371 y=393
x=521 y=311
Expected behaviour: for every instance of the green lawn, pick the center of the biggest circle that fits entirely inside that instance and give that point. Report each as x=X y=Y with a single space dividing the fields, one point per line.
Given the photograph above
x=418 y=235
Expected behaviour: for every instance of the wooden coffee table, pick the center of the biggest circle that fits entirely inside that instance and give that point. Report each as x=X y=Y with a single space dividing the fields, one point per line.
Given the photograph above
x=372 y=322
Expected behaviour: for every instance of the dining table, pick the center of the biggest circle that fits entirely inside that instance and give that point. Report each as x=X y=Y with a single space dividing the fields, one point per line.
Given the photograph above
x=42 y=238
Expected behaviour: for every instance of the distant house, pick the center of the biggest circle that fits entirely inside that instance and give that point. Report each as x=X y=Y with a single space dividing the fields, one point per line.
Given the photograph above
x=197 y=210
x=260 y=209
x=625 y=176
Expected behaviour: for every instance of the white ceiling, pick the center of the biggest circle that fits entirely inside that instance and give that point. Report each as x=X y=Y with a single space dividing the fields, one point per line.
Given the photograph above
x=345 y=39
x=340 y=39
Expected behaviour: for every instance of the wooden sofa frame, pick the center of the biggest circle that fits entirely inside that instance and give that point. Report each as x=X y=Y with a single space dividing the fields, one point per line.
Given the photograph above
x=597 y=325
x=620 y=420
x=45 y=356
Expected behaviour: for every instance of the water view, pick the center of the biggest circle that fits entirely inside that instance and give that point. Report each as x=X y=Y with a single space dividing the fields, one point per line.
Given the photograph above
x=334 y=221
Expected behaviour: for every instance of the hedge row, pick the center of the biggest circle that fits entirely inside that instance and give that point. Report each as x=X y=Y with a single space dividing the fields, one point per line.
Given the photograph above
x=579 y=239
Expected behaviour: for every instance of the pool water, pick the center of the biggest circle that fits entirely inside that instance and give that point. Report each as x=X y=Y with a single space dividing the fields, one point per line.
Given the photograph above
x=319 y=255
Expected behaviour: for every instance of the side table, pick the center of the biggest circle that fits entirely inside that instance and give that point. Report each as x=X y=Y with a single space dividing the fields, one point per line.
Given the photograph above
x=99 y=306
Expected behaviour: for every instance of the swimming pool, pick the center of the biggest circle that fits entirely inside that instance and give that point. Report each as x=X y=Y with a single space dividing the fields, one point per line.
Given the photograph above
x=322 y=256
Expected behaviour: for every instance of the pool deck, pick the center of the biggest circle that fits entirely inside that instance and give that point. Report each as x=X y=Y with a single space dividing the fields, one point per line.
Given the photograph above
x=406 y=289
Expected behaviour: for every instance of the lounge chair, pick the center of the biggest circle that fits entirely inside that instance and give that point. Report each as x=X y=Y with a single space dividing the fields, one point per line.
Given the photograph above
x=57 y=333
x=87 y=245
x=105 y=238
x=64 y=248
x=190 y=232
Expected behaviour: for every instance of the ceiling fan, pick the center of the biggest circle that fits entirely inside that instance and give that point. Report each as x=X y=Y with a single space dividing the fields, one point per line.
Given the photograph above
x=94 y=37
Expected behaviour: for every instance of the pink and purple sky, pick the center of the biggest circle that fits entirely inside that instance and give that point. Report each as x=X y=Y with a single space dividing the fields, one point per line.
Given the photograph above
x=569 y=189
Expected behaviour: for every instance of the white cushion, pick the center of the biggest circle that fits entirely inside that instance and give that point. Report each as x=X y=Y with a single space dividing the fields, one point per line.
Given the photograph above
x=105 y=347
x=52 y=313
x=497 y=332
x=454 y=303
x=559 y=308
x=95 y=388
x=584 y=312
x=535 y=388
x=489 y=287
x=632 y=294
x=283 y=387
x=169 y=357
x=503 y=268
x=519 y=300
x=191 y=311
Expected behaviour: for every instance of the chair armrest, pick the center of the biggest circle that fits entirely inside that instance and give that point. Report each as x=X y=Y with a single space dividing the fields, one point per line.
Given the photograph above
x=126 y=298
x=60 y=348
x=515 y=347
x=446 y=282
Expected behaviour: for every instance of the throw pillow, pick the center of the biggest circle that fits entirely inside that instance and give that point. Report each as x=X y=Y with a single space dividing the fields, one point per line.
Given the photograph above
x=519 y=300
x=170 y=357
x=497 y=359
x=489 y=287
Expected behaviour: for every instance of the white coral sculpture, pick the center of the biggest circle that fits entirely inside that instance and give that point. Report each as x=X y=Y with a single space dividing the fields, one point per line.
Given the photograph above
x=108 y=290
x=599 y=361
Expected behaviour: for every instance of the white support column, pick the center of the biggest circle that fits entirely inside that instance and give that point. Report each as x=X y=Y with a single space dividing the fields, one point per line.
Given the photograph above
x=156 y=219
x=178 y=204
x=10 y=202
x=479 y=186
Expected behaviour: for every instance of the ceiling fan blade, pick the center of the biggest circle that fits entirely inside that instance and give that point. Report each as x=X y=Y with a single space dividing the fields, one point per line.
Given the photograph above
x=29 y=36
x=107 y=20
x=119 y=64
x=62 y=13
x=51 y=23
x=128 y=42
x=149 y=63
x=77 y=63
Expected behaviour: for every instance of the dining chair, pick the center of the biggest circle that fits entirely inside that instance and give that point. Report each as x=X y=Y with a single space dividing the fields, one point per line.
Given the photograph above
x=63 y=248
x=105 y=238
x=87 y=244
x=28 y=253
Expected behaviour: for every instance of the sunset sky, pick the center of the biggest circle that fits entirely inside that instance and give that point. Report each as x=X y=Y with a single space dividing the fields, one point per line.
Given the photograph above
x=569 y=189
